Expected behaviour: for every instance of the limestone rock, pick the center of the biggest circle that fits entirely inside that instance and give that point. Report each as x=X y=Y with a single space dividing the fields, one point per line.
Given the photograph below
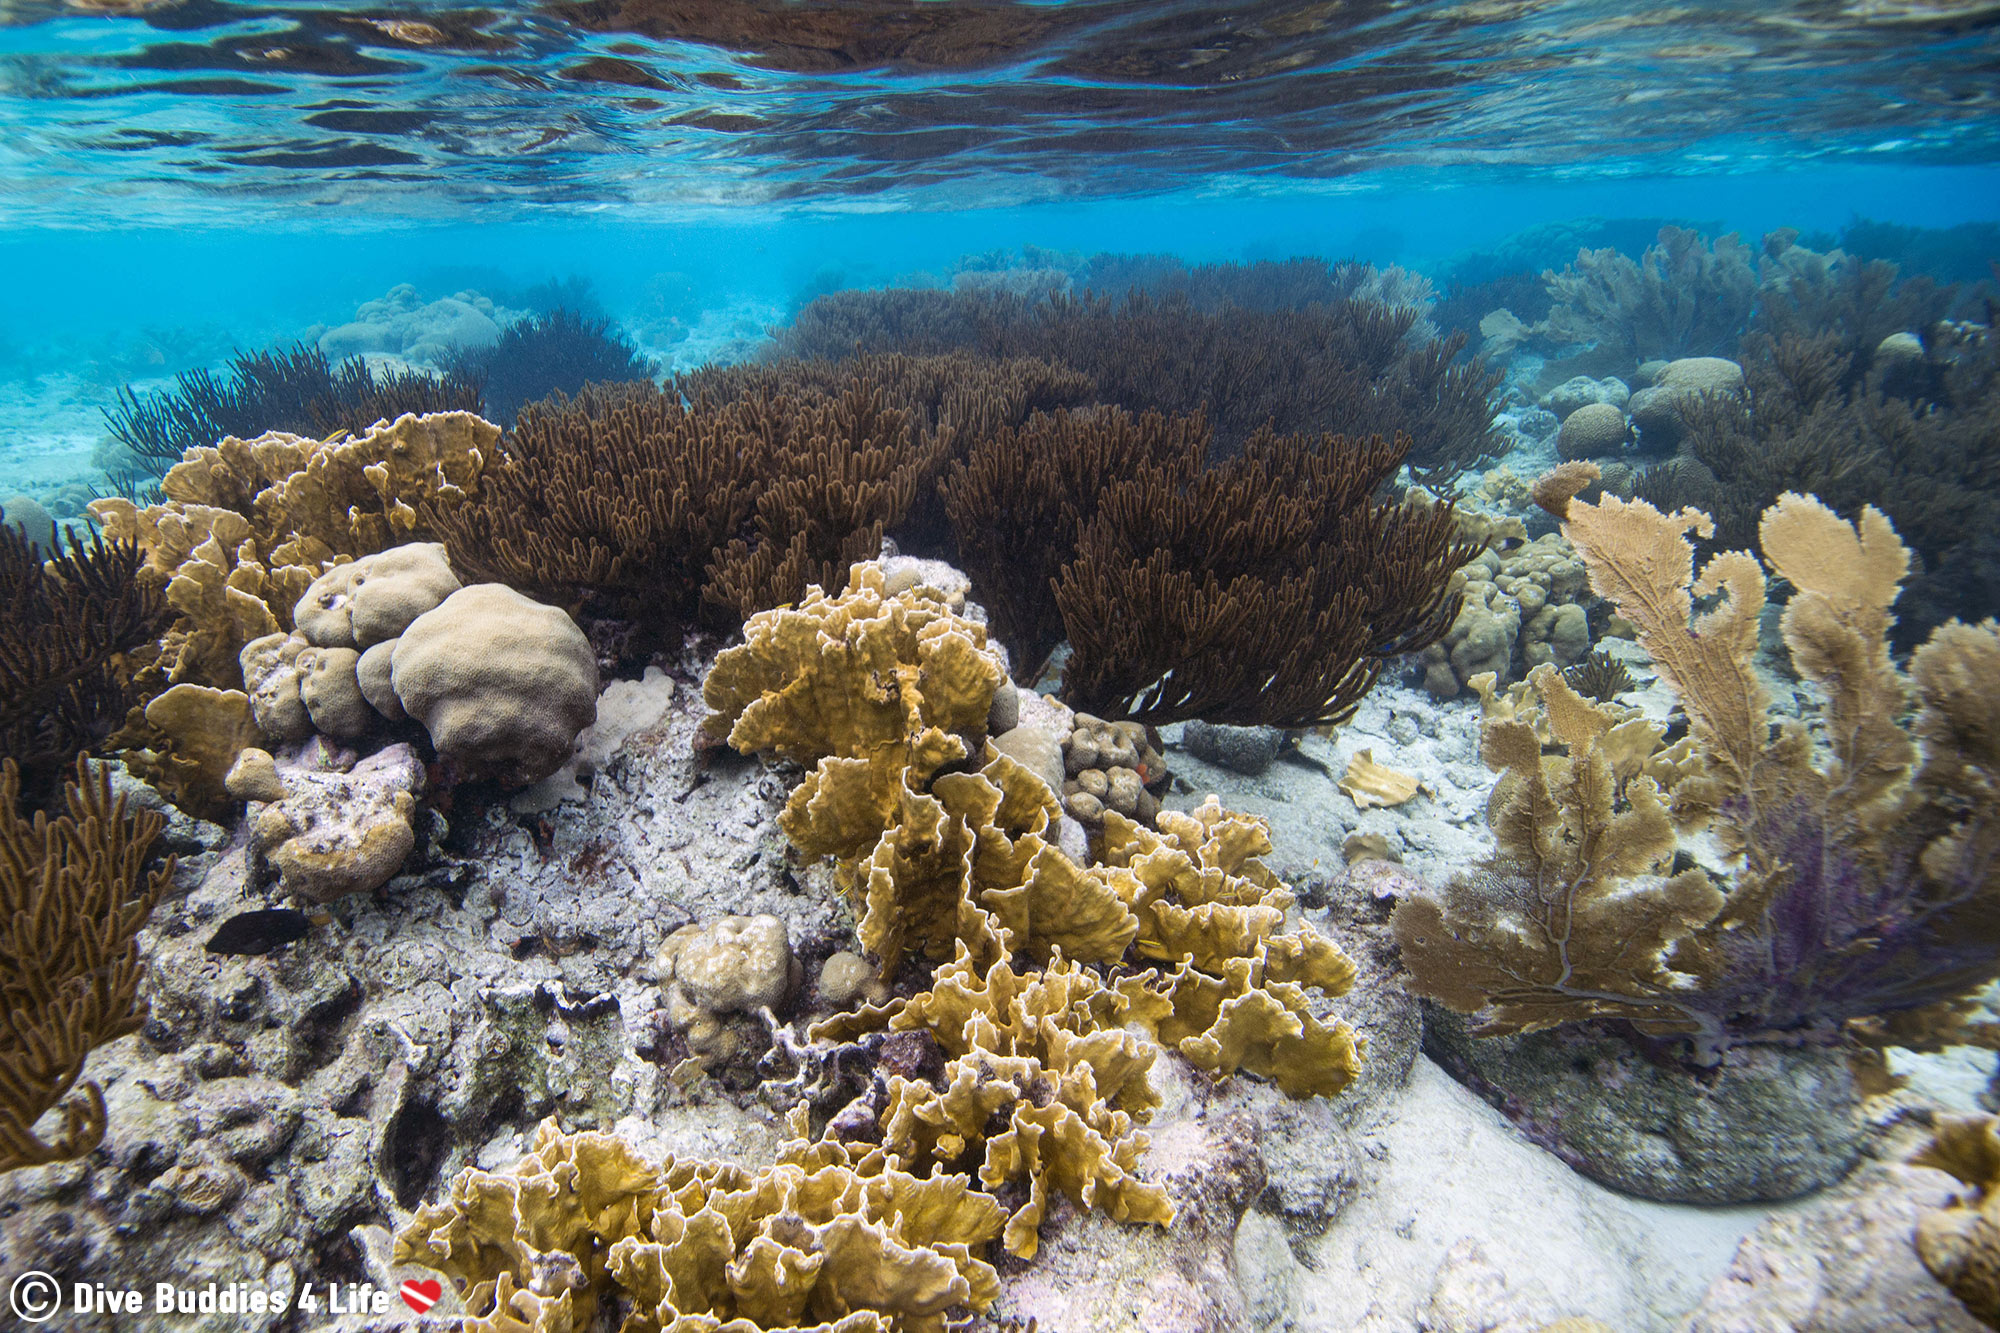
x=1771 y=1124
x=334 y=833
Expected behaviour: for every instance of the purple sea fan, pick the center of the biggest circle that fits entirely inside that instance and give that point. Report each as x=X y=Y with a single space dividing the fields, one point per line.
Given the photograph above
x=1834 y=931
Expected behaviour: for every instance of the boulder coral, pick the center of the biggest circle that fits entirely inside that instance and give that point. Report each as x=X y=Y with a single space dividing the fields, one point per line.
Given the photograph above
x=502 y=683
x=727 y=968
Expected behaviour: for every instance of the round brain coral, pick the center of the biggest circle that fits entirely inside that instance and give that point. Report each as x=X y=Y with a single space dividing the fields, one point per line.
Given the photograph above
x=502 y=682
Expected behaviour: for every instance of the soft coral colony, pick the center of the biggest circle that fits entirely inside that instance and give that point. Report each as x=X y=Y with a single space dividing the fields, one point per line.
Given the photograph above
x=1856 y=891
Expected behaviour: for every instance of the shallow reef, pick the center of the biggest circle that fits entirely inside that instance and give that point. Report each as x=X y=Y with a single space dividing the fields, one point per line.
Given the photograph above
x=1001 y=814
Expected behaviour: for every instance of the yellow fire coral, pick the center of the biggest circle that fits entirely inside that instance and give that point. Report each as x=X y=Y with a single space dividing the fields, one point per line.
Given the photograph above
x=1961 y=1244
x=1045 y=1082
x=814 y=1238
x=247 y=525
x=1047 y=1051
x=1861 y=887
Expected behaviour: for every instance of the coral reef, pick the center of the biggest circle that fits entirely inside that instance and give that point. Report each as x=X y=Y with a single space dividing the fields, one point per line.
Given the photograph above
x=718 y=970
x=1592 y=431
x=1344 y=366
x=1921 y=450
x=958 y=865
x=295 y=391
x=1860 y=887
x=1111 y=766
x=74 y=892
x=246 y=526
x=330 y=824
x=1019 y=500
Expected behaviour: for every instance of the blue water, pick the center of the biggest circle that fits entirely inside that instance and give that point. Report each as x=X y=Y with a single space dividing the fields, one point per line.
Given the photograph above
x=177 y=179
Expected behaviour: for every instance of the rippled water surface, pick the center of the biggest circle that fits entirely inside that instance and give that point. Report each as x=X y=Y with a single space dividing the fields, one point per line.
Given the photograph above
x=121 y=109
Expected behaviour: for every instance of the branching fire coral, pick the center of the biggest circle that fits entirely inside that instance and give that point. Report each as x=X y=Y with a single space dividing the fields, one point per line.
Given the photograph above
x=74 y=891
x=888 y=698
x=1861 y=885
x=819 y=1236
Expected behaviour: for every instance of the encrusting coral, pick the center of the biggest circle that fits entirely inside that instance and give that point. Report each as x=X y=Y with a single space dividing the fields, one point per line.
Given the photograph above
x=820 y=1239
x=888 y=697
x=1861 y=887
x=74 y=891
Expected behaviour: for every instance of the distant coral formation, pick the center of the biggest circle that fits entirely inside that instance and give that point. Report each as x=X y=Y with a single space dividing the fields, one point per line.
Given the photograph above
x=560 y=351
x=1332 y=355
x=1861 y=886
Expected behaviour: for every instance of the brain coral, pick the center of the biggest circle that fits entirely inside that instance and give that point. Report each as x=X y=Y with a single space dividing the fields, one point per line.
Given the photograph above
x=502 y=683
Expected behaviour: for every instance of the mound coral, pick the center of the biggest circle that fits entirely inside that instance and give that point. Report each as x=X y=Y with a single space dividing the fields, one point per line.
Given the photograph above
x=1863 y=888
x=74 y=891
x=1525 y=606
x=502 y=683
x=817 y=1237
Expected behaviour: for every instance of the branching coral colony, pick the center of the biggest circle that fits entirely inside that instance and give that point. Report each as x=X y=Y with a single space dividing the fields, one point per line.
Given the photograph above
x=1861 y=897
x=1060 y=983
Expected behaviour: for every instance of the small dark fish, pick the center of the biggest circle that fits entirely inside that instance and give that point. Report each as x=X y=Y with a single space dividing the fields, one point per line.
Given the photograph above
x=259 y=932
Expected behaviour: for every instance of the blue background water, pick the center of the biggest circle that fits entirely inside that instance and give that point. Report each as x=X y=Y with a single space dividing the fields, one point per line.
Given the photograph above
x=180 y=178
